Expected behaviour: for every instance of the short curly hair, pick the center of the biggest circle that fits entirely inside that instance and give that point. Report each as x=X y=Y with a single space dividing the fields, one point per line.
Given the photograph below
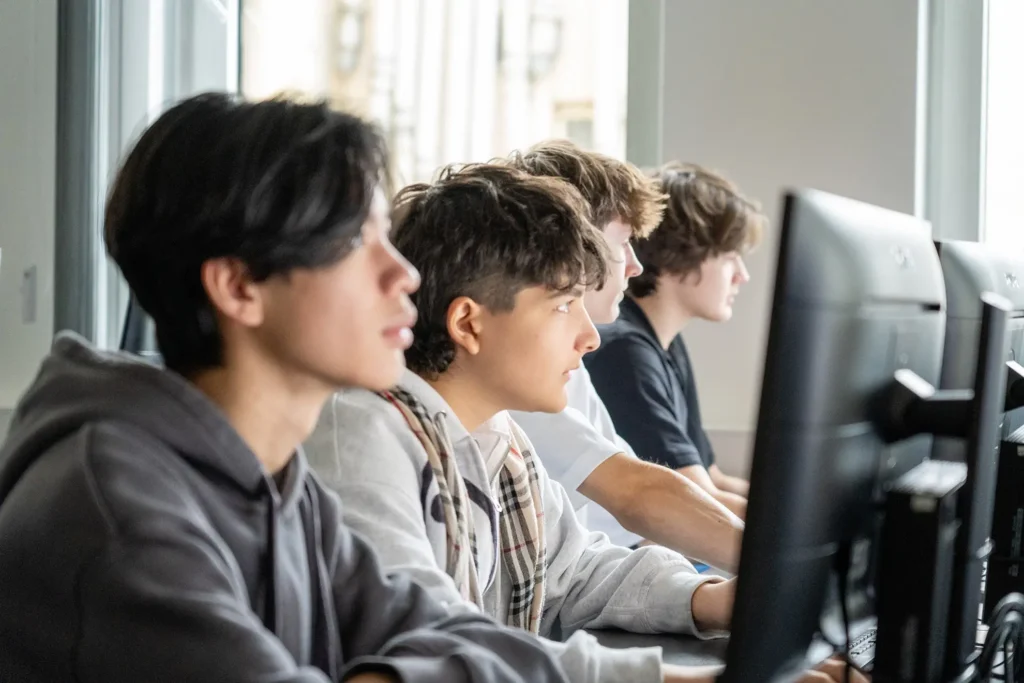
x=614 y=189
x=488 y=231
x=706 y=216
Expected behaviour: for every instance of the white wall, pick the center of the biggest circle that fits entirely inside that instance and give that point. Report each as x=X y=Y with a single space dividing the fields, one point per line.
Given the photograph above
x=28 y=83
x=780 y=94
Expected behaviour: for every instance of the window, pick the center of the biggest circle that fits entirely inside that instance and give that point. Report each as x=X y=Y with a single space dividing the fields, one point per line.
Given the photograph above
x=1004 y=147
x=450 y=80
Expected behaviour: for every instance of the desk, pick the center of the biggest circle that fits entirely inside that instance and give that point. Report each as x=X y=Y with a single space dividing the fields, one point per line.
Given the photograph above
x=682 y=650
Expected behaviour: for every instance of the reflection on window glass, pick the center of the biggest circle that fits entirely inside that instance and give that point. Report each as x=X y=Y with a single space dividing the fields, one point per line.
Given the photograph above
x=1004 y=154
x=450 y=80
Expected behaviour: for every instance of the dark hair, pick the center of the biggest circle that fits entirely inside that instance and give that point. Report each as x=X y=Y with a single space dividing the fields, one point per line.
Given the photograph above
x=278 y=185
x=706 y=216
x=614 y=189
x=487 y=231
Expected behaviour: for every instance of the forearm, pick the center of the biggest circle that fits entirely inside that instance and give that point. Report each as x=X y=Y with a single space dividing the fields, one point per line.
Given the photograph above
x=729 y=483
x=741 y=487
x=678 y=514
x=735 y=504
x=702 y=478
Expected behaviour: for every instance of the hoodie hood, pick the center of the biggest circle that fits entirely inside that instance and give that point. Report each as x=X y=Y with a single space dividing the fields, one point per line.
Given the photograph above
x=77 y=384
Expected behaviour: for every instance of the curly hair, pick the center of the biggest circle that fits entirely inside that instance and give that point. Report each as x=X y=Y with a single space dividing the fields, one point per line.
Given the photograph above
x=706 y=216
x=614 y=189
x=487 y=231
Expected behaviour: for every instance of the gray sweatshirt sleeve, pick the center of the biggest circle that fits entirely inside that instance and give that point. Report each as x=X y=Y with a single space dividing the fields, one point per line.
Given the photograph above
x=372 y=460
x=391 y=624
x=198 y=629
x=595 y=584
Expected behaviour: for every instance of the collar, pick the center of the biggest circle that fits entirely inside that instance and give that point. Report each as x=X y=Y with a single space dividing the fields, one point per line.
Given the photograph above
x=630 y=312
x=493 y=438
x=434 y=404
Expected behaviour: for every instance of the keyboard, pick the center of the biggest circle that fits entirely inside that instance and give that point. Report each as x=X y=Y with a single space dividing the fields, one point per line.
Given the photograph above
x=861 y=652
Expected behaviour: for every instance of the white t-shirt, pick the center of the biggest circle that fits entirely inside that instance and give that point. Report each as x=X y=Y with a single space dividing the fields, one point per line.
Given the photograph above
x=573 y=443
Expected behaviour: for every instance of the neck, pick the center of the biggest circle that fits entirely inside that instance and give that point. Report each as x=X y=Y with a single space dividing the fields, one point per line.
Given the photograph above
x=666 y=317
x=271 y=415
x=469 y=403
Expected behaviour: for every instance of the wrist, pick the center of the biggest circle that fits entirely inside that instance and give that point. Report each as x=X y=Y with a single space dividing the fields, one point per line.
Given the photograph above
x=711 y=605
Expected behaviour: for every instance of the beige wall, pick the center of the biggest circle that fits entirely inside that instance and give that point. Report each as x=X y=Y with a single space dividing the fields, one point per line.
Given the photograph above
x=779 y=94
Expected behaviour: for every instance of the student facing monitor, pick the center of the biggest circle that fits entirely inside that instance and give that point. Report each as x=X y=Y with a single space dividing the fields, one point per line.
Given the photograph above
x=859 y=295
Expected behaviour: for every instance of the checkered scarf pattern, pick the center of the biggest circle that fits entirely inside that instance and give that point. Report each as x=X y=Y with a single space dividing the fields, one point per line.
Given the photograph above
x=522 y=539
x=523 y=543
x=461 y=562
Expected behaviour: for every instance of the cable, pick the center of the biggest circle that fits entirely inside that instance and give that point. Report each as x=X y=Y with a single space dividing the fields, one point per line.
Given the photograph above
x=1005 y=635
x=843 y=560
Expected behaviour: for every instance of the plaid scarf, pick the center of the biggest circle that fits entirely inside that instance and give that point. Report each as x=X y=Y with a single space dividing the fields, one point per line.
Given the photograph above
x=523 y=543
x=462 y=563
x=522 y=540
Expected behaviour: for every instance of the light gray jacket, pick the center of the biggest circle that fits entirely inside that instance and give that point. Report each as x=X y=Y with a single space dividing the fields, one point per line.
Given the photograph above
x=364 y=450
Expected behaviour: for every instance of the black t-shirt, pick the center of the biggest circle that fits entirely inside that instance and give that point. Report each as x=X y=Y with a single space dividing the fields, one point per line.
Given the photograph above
x=650 y=394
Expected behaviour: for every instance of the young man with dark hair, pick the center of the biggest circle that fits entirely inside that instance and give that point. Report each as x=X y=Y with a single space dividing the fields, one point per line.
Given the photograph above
x=693 y=268
x=636 y=500
x=445 y=483
x=159 y=524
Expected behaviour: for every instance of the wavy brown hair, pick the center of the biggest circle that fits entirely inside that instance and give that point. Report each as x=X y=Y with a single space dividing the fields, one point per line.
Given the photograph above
x=614 y=189
x=706 y=216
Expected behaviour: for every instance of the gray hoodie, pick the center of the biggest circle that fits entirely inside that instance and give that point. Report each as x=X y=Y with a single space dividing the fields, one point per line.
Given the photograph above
x=363 y=448
x=141 y=540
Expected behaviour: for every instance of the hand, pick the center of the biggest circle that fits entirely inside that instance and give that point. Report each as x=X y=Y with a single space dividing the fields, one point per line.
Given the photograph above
x=372 y=678
x=712 y=605
x=833 y=671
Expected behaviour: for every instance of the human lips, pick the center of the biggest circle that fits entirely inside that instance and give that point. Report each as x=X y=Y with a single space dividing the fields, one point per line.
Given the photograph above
x=399 y=333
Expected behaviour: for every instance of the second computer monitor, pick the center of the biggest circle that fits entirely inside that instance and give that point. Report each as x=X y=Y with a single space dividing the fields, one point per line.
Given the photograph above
x=858 y=295
x=970 y=269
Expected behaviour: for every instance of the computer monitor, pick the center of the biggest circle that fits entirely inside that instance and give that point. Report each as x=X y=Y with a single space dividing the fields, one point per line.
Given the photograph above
x=969 y=269
x=858 y=296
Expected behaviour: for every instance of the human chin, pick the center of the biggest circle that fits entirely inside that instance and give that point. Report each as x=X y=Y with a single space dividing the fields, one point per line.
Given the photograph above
x=551 y=399
x=723 y=314
x=603 y=306
x=383 y=372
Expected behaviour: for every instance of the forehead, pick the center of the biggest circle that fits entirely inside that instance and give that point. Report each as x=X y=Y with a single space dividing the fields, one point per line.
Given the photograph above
x=617 y=231
x=536 y=295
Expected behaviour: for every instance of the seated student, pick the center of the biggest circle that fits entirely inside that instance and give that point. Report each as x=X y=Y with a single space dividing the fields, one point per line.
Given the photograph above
x=693 y=268
x=579 y=446
x=470 y=512
x=445 y=484
x=160 y=525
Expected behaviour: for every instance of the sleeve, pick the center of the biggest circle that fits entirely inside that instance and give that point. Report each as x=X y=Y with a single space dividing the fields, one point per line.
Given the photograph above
x=381 y=501
x=391 y=624
x=629 y=376
x=594 y=584
x=569 y=445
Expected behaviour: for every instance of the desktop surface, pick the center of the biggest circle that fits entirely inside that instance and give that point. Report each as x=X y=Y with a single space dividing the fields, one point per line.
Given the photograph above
x=676 y=649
